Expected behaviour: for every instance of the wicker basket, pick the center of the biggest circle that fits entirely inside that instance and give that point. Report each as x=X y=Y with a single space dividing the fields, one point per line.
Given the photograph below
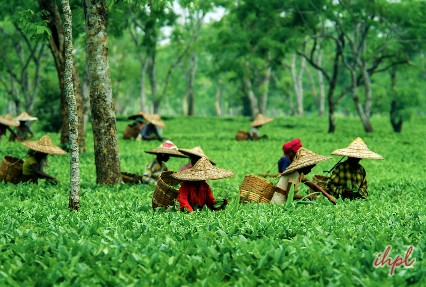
x=132 y=132
x=242 y=136
x=165 y=192
x=321 y=181
x=257 y=189
x=131 y=177
x=11 y=169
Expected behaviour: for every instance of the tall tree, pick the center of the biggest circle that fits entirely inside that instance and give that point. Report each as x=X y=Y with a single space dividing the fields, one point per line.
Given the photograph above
x=56 y=45
x=107 y=158
x=21 y=63
x=252 y=52
x=74 y=195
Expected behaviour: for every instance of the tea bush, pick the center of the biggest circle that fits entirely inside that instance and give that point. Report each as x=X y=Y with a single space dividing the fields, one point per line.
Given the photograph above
x=116 y=239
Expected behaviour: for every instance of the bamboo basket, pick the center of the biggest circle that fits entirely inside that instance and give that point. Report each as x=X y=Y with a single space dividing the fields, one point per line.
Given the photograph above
x=11 y=169
x=132 y=178
x=132 y=132
x=165 y=193
x=256 y=189
x=321 y=181
x=242 y=136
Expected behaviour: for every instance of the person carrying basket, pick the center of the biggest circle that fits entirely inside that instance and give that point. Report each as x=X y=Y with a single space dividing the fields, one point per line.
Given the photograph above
x=295 y=173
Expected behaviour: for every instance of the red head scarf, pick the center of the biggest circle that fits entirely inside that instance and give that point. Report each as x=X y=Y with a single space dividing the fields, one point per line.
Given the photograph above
x=293 y=145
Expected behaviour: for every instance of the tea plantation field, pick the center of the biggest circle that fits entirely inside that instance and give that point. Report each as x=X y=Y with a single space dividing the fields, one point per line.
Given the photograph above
x=116 y=239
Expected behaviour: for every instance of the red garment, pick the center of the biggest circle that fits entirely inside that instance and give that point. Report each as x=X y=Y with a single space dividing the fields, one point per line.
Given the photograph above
x=186 y=166
x=193 y=193
x=293 y=145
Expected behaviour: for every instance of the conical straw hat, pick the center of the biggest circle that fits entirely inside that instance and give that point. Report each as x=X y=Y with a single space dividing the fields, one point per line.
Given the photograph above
x=260 y=120
x=202 y=170
x=303 y=159
x=155 y=119
x=44 y=145
x=357 y=149
x=168 y=148
x=24 y=116
x=197 y=151
x=8 y=121
x=135 y=116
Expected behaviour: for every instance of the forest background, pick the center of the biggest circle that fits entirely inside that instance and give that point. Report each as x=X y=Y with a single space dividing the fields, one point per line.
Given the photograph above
x=319 y=59
x=225 y=58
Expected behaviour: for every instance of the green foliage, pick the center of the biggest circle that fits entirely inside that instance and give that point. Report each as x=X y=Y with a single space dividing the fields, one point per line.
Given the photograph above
x=117 y=240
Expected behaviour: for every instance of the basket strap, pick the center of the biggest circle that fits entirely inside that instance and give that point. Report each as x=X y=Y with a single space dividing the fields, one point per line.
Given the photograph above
x=328 y=171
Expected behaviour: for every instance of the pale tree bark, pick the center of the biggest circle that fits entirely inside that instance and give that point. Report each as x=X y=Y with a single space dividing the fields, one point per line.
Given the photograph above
x=142 y=57
x=142 y=94
x=85 y=94
x=24 y=78
x=251 y=96
x=265 y=90
x=107 y=158
x=217 y=101
x=297 y=77
x=153 y=83
x=357 y=44
x=74 y=195
x=56 y=46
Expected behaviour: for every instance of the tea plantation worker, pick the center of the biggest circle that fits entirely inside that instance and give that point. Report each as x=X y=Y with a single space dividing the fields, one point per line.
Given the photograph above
x=150 y=129
x=348 y=179
x=295 y=174
x=23 y=131
x=256 y=124
x=33 y=167
x=133 y=130
x=194 y=192
x=6 y=122
x=194 y=155
x=153 y=169
x=290 y=149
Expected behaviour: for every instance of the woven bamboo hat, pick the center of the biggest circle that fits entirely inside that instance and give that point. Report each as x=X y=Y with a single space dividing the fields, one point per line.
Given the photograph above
x=357 y=149
x=202 y=170
x=167 y=148
x=260 y=120
x=155 y=119
x=44 y=145
x=24 y=116
x=197 y=151
x=135 y=116
x=303 y=159
x=8 y=121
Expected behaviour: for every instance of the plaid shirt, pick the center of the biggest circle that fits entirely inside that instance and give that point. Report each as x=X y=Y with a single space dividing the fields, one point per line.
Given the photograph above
x=153 y=171
x=345 y=178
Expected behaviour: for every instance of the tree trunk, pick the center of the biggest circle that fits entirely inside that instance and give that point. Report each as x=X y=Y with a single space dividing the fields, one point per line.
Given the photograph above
x=251 y=97
x=74 y=195
x=85 y=92
x=56 y=46
x=321 y=102
x=395 y=119
x=298 y=82
x=144 y=65
x=107 y=158
x=153 y=83
x=217 y=101
x=354 y=90
x=265 y=90
x=367 y=89
x=191 y=79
